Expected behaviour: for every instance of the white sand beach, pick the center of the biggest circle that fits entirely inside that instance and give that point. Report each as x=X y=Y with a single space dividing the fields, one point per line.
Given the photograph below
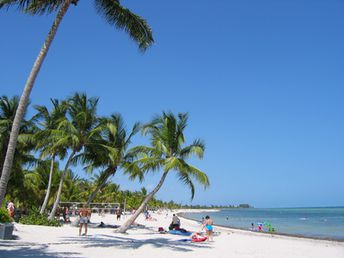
x=145 y=241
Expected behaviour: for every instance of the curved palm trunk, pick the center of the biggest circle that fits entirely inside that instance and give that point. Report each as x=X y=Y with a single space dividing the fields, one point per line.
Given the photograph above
x=46 y=198
x=143 y=205
x=6 y=171
x=108 y=173
x=59 y=191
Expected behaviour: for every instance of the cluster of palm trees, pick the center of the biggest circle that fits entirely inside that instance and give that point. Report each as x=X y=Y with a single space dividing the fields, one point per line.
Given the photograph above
x=111 y=10
x=72 y=133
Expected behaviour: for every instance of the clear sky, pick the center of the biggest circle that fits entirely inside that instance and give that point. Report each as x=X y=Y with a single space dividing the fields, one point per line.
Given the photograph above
x=262 y=81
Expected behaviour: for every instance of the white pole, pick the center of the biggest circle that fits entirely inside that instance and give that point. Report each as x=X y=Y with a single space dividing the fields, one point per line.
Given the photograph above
x=125 y=203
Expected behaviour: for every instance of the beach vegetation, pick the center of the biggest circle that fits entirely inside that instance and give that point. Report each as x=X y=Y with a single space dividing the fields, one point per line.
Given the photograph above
x=112 y=11
x=4 y=216
x=75 y=133
x=72 y=133
x=45 y=140
x=35 y=218
x=108 y=151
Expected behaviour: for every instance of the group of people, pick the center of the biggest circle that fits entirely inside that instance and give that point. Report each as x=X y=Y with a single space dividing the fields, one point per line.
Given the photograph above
x=207 y=224
x=85 y=215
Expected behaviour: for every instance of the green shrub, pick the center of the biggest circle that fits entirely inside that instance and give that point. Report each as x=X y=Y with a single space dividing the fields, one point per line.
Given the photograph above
x=34 y=218
x=4 y=216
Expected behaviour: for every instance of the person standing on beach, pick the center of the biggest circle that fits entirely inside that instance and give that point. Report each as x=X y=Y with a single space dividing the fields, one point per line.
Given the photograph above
x=208 y=225
x=84 y=214
x=10 y=209
x=118 y=213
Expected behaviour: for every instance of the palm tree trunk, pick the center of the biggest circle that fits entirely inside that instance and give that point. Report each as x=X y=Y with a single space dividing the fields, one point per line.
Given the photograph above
x=49 y=185
x=6 y=170
x=59 y=191
x=108 y=173
x=143 y=205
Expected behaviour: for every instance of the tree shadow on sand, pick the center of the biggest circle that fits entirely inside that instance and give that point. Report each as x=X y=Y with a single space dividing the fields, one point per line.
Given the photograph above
x=26 y=249
x=118 y=241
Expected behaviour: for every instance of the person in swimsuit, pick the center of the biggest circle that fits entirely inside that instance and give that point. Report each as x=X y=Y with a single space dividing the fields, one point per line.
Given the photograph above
x=84 y=214
x=208 y=225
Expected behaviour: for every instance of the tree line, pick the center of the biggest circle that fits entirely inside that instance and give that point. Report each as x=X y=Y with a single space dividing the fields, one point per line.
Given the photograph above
x=72 y=133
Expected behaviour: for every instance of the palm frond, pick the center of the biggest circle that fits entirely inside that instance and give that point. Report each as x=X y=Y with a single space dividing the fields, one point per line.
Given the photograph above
x=185 y=179
x=122 y=18
x=195 y=173
x=33 y=6
x=196 y=148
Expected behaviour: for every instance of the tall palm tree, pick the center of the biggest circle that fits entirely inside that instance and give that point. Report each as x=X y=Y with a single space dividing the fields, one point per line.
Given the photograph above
x=45 y=141
x=109 y=150
x=168 y=154
x=111 y=10
x=75 y=133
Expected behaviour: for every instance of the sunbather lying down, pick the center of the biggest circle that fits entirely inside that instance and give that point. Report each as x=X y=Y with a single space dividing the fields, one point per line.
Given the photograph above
x=195 y=237
x=103 y=225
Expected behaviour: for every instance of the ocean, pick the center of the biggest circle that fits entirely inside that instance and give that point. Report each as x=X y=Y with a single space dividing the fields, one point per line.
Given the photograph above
x=324 y=223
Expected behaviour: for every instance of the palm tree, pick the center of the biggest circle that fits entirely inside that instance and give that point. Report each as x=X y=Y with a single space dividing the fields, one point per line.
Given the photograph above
x=168 y=154
x=76 y=133
x=109 y=193
x=35 y=183
x=75 y=189
x=45 y=142
x=8 y=107
x=109 y=151
x=113 y=12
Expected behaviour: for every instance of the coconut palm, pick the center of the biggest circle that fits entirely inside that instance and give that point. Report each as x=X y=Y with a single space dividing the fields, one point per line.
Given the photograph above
x=8 y=107
x=35 y=183
x=45 y=141
x=74 y=188
x=75 y=133
x=109 y=150
x=167 y=154
x=111 y=10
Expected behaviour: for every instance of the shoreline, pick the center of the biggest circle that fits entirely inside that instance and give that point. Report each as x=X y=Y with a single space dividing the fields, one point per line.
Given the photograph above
x=144 y=240
x=181 y=214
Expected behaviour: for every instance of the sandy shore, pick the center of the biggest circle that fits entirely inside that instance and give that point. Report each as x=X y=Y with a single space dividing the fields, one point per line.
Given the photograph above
x=145 y=241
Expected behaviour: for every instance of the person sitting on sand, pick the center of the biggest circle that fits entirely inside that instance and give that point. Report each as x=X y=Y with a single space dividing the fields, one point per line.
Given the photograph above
x=84 y=214
x=208 y=225
x=175 y=222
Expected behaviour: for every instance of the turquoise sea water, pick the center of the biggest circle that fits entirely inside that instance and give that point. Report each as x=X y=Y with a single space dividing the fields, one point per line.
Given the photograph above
x=327 y=223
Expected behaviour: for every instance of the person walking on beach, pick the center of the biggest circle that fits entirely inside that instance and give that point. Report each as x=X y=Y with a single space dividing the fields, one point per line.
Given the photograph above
x=208 y=225
x=84 y=214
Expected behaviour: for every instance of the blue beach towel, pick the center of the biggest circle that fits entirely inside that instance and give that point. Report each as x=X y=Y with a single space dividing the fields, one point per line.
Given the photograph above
x=178 y=232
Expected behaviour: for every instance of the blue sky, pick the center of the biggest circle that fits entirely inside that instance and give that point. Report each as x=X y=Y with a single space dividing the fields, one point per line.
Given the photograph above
x=262 y=82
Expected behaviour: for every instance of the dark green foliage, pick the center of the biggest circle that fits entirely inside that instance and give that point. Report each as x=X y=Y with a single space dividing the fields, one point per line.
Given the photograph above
x=124 y=19
x=33 y=6
x=104 y=146
x=34 y=218
x=4 y=216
